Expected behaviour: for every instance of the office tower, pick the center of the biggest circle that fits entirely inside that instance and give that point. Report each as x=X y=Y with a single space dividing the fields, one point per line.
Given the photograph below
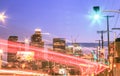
x=36 y=39
x=59 y=44
x=11 y=51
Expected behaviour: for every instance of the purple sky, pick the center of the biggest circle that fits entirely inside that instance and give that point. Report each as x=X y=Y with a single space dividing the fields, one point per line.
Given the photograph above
x=62 y=18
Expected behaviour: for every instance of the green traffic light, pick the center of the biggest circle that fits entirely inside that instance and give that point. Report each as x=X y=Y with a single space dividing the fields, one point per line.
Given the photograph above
x=97 y=13
x=96 y=9
x=96 y=16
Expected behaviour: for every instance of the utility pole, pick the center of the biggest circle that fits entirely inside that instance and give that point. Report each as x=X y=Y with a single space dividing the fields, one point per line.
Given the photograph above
x=102 y=32
x=108 y=32
x=107 y=17
x=99 y=43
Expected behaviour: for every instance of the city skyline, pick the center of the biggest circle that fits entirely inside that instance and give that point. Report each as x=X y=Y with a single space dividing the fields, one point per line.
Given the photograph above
x=61 y=18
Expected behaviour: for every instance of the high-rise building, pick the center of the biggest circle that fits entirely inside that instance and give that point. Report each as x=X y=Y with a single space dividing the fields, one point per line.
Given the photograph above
x=36 y=39
x=13 y=38
x=59 y=44
x=11 y=55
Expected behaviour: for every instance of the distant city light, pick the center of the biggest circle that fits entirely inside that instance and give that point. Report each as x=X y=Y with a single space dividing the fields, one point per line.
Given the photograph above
x=1 y=51
x=26 y=40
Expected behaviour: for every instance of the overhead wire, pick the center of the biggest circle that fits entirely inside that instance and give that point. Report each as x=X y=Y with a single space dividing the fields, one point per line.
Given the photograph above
x=117 y=15
x=118 y=20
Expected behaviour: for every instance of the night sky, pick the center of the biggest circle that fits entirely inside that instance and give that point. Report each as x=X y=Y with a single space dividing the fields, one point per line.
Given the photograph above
x=68 y=19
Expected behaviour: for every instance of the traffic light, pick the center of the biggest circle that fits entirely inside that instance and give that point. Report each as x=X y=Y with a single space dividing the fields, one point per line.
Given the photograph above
x=96 y=9
x=97 y=14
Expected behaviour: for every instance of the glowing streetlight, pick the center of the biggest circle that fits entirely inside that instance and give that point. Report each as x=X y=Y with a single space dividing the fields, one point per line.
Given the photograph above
x=2 y=17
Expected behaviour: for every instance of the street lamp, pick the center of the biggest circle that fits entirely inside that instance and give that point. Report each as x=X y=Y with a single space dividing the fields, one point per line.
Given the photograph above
x=2 y=17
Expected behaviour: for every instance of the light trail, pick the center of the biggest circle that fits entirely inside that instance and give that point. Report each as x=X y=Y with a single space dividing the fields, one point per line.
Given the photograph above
x=40 y=53
x=22 y=72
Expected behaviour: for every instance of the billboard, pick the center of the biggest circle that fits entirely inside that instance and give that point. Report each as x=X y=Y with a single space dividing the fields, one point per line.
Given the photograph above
x=25 y=55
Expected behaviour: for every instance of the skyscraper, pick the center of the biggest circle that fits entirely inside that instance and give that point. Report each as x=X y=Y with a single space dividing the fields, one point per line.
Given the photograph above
x=59 y=44
x=12 y=53
x=13 y=38
x=36 y=39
